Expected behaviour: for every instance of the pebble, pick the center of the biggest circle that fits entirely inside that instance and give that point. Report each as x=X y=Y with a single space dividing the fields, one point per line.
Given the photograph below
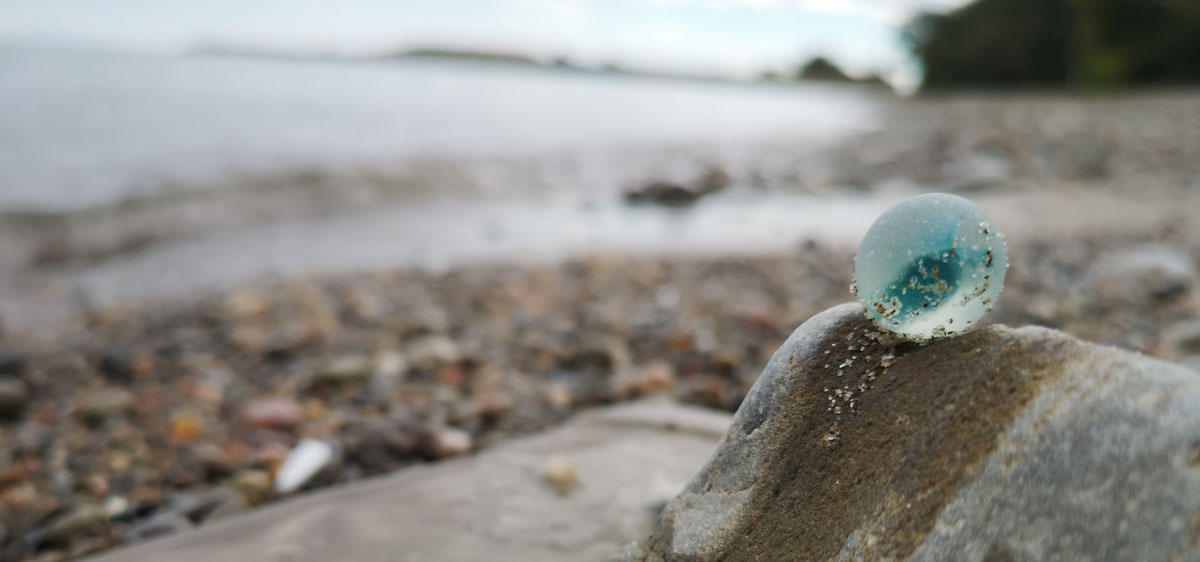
x=344 y=369
x=387 y=373
x=97 y=486
x=160 y=525
x=12 y=474
x=255 y=485
x=14 y=398
x=505 y=351
x=148 y=498
x=246 y=304
x=271 y=456
x=443 y=442
x=87 y=546
x=380 y=445
x=557 y=396
x=86 y=519
x=1142 y=275
x=115 y=368
x=274 y=413
x=656 y=376
x=104 y=404
x=19 y=497
x=198 y=507
x=187 y=427
x=390 y=365
x=308 y=458
x=13 y=365
x=429 y=352
x=1182 y=339
x=116 y=506
x=561 y=475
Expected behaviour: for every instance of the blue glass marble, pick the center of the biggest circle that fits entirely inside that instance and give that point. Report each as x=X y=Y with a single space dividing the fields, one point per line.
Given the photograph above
x=930 y=267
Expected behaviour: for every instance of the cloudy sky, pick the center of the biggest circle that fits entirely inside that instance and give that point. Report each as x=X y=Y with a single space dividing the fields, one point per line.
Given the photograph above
x=731 y=37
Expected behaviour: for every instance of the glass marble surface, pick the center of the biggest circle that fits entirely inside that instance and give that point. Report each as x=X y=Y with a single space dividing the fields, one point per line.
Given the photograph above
x=930 y=267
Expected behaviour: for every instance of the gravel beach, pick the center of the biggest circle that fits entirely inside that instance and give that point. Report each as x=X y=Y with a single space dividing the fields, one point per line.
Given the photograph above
x=155 y=417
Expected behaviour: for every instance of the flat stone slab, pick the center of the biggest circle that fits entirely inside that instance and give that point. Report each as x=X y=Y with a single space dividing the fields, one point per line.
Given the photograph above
x=1003 y=445
x=629 y=459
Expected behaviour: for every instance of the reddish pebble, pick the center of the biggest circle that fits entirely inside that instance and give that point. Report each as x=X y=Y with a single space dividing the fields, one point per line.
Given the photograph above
x=271 y=455
x=274 y=413
x=97 y=485
x=450 y=376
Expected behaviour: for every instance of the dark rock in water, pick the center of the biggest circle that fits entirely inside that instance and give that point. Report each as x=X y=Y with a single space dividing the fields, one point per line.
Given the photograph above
x=671 y=194
x=663 y=193
x=1003 y=444
x=714 y=179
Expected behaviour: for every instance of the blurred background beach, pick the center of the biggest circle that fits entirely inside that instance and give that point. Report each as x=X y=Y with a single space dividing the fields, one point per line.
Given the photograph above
x=414 y=229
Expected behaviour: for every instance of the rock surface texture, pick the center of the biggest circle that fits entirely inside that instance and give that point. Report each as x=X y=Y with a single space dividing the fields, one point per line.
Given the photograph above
x=625 y=462
x=1003 y=445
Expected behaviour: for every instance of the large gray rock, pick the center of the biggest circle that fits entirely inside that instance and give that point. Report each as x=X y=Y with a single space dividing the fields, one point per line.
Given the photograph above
x=577 y=492
x=1003 y=445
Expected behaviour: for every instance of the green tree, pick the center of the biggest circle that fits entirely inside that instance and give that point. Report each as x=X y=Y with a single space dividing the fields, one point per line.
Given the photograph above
x=991 y=43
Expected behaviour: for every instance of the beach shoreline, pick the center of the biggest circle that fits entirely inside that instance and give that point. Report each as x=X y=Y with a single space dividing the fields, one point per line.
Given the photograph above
x=130 y=409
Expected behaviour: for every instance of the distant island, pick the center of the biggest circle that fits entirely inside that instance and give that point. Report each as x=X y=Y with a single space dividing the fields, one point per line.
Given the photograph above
x=821 y=69
x=466 y=55
x=557 y=63
x=818 y=69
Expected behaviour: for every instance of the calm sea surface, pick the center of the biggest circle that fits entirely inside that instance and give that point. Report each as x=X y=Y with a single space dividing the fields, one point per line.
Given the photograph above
x=81 y=129
x=291 y=168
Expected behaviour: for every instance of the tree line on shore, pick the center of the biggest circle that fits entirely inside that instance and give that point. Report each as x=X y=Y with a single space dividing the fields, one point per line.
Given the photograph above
x=1058 y=43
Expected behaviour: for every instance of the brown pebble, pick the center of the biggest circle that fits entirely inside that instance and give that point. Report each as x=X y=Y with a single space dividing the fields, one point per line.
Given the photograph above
x=13 y=474
x=97 y=486
x=557 y=396
x=255 y=485
x=147 y=497
x=19 y=497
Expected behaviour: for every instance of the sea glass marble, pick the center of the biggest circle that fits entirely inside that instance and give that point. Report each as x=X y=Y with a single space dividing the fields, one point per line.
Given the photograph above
x=930 y=267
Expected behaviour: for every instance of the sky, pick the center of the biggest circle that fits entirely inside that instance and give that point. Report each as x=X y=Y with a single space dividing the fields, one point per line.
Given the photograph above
x=736 y=38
